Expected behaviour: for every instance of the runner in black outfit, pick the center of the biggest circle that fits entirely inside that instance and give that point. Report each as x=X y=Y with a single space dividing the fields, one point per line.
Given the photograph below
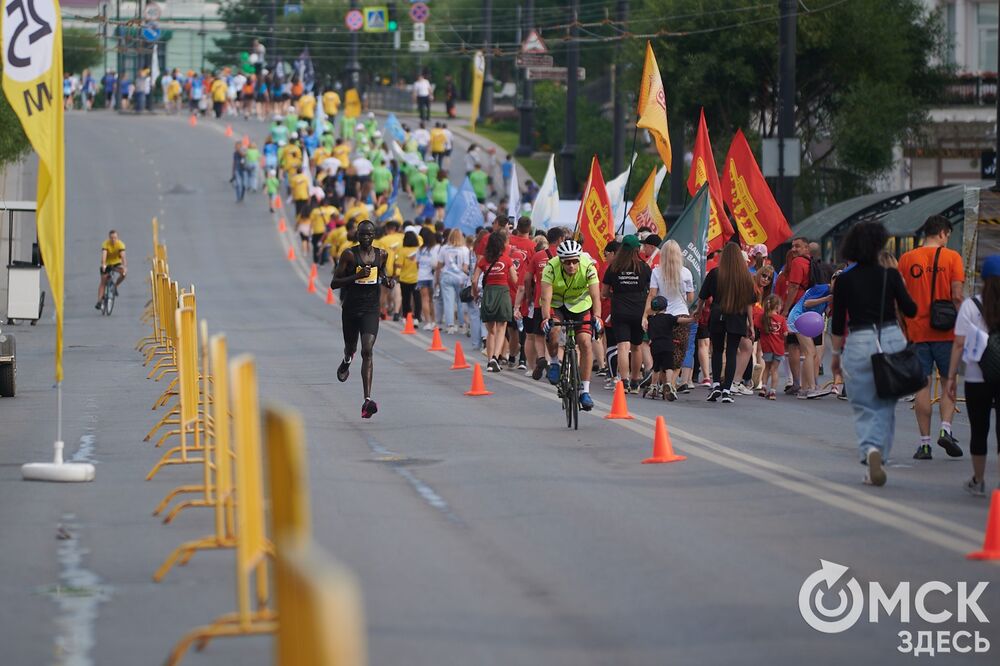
x=360 y=271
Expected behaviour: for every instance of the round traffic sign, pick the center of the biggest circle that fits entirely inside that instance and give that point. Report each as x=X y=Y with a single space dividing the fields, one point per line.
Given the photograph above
x=151 y=32
x=151 y=12
x=420 y=12
x=354 y=20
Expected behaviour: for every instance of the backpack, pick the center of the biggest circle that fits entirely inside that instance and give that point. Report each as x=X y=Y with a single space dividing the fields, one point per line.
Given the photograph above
x=990 y=361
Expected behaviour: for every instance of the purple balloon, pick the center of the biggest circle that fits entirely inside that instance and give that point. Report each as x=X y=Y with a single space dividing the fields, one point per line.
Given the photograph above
x=809 y=324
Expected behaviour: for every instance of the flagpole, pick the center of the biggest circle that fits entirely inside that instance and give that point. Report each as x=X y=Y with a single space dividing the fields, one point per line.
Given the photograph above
x=621 y=228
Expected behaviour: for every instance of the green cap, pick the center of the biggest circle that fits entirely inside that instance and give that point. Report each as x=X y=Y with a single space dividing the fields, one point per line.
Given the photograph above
x=631 y=242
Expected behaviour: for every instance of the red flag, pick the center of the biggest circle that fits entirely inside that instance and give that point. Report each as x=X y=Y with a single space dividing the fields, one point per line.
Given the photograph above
x=758 y=217
x=594 y=218
x=702 y=170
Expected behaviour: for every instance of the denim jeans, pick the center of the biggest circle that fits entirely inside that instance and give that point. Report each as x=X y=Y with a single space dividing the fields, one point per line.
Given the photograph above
x=874 y=417
x=239 y=183
x=476 y=329
x=451 y=288
x=253 y=177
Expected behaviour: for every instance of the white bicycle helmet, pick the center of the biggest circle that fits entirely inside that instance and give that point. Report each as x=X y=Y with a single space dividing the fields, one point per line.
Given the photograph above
x=569 y=249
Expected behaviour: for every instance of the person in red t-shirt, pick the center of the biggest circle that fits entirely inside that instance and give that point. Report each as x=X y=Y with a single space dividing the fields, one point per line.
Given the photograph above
x=521 y=249
x=496 y=309
x=773 y=328
x=499 y=224
x=528 y=292
x=796 y=274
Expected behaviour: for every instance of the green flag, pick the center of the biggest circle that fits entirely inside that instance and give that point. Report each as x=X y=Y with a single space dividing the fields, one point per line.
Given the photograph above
x=691 y=233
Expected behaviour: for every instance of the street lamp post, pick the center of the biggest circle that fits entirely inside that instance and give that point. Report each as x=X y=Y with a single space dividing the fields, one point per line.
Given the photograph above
x=568 y=152
x=486 y=105
x=526 y=144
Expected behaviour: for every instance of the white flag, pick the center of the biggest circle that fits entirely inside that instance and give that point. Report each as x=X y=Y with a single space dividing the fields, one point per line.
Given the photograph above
x=513 y=195
x=546 y=206
x=616 y=195
x=155 y=71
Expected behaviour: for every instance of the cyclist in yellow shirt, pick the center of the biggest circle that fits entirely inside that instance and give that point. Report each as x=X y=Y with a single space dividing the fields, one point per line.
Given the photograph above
x=112 y=261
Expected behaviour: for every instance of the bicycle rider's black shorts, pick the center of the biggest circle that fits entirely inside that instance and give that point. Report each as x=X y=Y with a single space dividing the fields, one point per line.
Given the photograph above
x=108 y=269
x=358 y=323
x=562 y=314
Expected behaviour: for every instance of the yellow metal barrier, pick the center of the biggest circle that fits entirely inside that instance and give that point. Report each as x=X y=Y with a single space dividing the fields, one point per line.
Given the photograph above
x=188 y=372
x=222 y=460
x=252 y=548
x=320 y=619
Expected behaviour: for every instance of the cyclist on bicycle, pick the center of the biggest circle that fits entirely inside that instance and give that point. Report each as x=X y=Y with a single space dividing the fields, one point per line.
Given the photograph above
x=571 y=291
x=112 y=261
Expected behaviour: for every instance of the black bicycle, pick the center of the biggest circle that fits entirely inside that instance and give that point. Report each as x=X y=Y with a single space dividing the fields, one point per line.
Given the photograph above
x=110 y=291
x=569 y=384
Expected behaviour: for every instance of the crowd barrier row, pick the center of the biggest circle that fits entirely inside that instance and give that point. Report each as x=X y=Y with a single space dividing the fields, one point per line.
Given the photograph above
x=213 y=416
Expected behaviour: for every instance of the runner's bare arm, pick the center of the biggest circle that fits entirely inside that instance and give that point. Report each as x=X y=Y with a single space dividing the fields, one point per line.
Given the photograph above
x=387 y=281
x=545 y=300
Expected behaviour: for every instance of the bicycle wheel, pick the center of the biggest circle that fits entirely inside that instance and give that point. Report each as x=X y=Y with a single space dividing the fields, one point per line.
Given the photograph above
x=109 y=299
x=573 y=390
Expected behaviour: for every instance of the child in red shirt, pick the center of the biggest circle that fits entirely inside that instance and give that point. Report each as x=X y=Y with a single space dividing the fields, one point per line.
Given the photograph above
x=773 y=328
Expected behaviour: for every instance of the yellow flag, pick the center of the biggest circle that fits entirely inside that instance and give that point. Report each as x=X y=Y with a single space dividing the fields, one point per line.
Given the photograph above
x=651 y=112
x=644 y=211
x=31 y=50
x=352 y=104
x=478 y=71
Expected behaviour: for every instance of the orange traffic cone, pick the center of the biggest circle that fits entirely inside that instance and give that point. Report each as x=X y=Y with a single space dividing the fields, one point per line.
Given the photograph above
x=281 y=225
x=478 y=387
x=192 y=120
x=291 y=253
x=229 y=130
x=460 y=362
x=991 y=545
x=663 y=450
x=313 y=272
x=312 y=286
x=329 y=296
x=408 y=326
x=619 y=407
x=436 y=341
x=277 y=201
x=246 y=141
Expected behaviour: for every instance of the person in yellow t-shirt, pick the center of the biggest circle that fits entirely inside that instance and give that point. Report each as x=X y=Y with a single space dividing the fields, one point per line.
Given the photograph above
x=306 y=107
x=320 y=155
x=317 y=222
x=331 y=103
x=291 y=158
x=408 y=275
x=174 y=96
x=357 y=213
x=112 y=261
x=299 y=184
x=439 y=144
x=218 y=92
x=342 y=151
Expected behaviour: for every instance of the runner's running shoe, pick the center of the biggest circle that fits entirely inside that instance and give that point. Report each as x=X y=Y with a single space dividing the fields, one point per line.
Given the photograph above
x=715 y=394
x=586 y=402
x=923 y=452
x=684 y=388
x=368 y=409
x=344 y=370
x=553 y=373
x=727 y=397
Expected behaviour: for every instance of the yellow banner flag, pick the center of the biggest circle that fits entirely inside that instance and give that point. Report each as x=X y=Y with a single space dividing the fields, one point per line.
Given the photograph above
x=478 y=71
x=352 y=104
x=644 y=212
x=31 y=49
x=651 y=112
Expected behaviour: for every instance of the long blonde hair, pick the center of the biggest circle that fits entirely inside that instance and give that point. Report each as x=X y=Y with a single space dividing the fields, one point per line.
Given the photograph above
x=671 y=262
x=456 y=238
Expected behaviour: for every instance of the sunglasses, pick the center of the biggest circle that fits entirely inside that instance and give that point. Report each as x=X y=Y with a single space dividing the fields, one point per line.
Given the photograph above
x=570 y=262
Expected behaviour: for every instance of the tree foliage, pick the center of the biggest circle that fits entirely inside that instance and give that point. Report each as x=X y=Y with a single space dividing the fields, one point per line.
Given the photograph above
x=82 y=49
x=13 y=143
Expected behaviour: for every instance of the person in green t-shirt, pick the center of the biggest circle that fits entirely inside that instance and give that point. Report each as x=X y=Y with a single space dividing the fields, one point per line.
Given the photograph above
x=272 y=184
x=432 y=171
x=252 y=162
x=418 y=183
x=327 y=141
x=439 y=194
x=479 y=181
x=381 y=179
x=292 y=122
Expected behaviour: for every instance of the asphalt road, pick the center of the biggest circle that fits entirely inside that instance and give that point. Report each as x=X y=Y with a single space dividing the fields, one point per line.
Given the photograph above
x=483 y=532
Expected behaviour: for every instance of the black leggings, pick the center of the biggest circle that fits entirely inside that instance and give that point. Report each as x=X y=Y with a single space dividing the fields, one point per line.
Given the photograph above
x=731 y=343
x=980 y=399
x=411 y=299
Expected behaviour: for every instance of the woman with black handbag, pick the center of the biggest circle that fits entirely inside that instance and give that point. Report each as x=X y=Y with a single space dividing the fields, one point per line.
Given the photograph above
x=865 y=299
x=976 y=343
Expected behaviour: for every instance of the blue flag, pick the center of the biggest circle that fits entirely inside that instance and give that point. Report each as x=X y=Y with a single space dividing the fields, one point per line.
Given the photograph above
x=463 y=210
x=691 y=233
x=394 y=129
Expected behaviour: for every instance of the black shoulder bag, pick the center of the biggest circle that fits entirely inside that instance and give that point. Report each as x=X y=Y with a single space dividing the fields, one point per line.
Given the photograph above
x=897 y=374
x=943 y=312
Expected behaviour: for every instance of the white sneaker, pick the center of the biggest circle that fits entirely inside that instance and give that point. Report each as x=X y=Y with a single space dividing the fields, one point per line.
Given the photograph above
x=429 y=326
x=742 y=389
x=451 y=330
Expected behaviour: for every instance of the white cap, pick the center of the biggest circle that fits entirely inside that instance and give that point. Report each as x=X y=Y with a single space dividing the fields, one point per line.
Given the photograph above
x=491 y=206
x=295 y=135
x=371 y=115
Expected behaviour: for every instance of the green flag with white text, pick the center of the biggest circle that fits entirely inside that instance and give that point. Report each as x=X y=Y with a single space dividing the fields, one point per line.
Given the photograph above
x=691 y=233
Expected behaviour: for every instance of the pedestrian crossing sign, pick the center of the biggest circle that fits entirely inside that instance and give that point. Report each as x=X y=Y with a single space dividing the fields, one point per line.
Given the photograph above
x=376 y=19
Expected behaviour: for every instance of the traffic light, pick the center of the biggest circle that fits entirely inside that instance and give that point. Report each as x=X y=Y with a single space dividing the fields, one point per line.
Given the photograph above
x=393 y=22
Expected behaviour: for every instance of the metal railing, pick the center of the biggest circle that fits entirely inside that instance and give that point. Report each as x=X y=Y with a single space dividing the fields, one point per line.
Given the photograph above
x=972 y=89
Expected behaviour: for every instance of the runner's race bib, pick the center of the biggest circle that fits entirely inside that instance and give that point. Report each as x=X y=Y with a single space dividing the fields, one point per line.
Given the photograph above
x=372 y=277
